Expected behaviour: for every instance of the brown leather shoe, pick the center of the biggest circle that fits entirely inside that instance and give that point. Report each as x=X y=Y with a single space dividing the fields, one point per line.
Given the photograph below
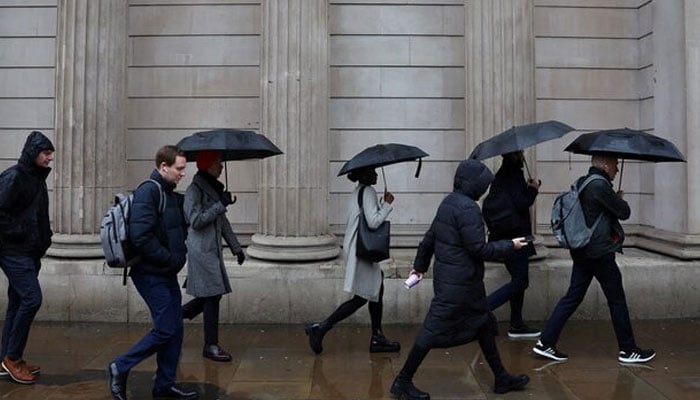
x=33 y=369
x=18 y=372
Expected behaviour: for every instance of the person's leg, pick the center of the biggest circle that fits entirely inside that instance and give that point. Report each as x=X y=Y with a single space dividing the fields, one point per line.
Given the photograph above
x=13 y=302
x=503 y=294
x=211 y=320
x=169 y=324
x=403 y=386
x=193 y=308
x=379 y=343
x=610 y=279
x=503 y=381
x=317 y=330
x=22 y=276
x=519 y=270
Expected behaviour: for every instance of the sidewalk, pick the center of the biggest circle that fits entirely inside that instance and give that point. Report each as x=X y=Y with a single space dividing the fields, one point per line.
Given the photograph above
x=275 y=362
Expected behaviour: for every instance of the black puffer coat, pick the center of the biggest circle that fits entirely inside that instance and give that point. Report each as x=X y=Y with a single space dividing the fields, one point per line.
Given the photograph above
x=457 y=239
x=158 y=239
x=24 y=202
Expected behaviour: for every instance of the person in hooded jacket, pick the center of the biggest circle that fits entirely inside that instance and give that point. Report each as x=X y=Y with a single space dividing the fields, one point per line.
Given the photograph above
x=207 y=280
x=158 y=237
x=459 y=312
x=25 y=235
x=363 y=279
x=597 y=260
x=506 y=211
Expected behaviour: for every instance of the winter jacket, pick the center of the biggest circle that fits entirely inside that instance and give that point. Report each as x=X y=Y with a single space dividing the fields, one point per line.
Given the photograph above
x=599 y=198
x=206 y=216
x=24 y=202
x=456 y=238
x=510 y=183
x=158 y=239
x=362 y=278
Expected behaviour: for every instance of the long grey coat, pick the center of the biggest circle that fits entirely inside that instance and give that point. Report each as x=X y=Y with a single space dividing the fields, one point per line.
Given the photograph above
x=206 y=216
x=362 y=278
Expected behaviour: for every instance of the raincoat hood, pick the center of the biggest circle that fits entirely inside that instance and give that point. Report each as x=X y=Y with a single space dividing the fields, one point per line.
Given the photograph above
x=472 y=179
x=35 y=144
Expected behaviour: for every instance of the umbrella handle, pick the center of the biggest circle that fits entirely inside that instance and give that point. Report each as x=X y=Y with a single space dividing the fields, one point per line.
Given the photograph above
x=622 y=170
x=384 y=178
x=420 y=164
x=529 y=177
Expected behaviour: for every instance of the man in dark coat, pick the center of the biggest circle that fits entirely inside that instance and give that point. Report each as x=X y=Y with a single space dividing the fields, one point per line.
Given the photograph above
x=159 y=238
x=507 y=214
x=597 y=260
x=459 y=312
x=25 y=235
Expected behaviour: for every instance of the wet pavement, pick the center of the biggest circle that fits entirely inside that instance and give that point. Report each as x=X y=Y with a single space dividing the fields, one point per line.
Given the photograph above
x=274 y=362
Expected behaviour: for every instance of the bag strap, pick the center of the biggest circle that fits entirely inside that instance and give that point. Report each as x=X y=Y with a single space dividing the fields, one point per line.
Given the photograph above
x=162 y=200
x=360 y=193
x=591 y=178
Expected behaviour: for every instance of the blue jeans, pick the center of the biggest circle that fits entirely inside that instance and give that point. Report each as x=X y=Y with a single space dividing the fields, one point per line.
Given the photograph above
x=163 y=298
x=517 y=267
x=23 y=301
x=605 y=270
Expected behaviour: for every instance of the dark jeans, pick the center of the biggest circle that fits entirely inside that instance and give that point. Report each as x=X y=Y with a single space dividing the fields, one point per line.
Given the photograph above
x=163 y=298
x=210 y=307
x=23 y=301
x=607 y=273
x=517 y=267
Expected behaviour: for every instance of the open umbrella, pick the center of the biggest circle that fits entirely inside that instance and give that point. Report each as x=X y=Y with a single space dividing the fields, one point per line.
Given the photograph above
x=384 y=154
x=519 y=138
x=233 y=144
x=628 y=144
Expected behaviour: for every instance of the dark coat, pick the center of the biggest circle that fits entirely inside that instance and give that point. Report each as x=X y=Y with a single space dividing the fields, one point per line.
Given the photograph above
x=24 y=202
x=456 y=237
x=158 y=239
x=599 y=198
x=520 y=196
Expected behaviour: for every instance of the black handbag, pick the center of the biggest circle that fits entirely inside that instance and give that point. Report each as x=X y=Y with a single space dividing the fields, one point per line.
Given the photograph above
x=372 y=244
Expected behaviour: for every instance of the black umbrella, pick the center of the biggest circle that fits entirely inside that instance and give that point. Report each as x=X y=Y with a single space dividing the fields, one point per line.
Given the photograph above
x=519 y=138
x=628 y=144
x=233 y=144
x=384 y=154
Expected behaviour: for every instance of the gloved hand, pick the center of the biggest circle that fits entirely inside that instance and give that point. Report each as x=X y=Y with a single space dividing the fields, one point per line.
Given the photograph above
x=226 y=199
x=240 y=255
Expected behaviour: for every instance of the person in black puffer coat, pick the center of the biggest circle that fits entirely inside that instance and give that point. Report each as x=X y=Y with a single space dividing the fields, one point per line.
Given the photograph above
x=25 y=235
x=459 y=312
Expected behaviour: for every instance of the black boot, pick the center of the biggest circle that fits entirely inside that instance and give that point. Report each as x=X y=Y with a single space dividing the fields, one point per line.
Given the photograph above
x=380 y=344
x=507 y=382
x=405 y=390
x=316 y=331
x=116 y=382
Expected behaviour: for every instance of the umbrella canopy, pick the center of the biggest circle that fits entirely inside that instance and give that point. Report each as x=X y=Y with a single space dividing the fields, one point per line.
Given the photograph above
x=383 y=154
x=233 y=144
x=626 y=144
x=519 y=138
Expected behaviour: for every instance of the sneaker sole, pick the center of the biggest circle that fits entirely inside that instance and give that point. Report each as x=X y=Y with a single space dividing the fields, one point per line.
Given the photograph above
x=523 y=335
x=636 y=360
x=23 y=382
x=547 y=355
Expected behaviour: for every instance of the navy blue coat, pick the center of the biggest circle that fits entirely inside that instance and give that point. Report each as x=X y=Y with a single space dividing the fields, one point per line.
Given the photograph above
x=158 y=239
x=24 y=202
x=457 y=240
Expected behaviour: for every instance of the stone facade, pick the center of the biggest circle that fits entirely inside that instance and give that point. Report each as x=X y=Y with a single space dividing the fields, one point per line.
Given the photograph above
x=110 y=81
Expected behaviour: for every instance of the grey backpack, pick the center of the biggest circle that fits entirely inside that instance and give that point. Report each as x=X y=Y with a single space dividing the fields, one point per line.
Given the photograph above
x=568 y=220
x=114 y=230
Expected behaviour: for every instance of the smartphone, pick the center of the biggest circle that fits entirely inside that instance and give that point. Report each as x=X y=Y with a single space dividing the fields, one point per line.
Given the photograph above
x=529 y=238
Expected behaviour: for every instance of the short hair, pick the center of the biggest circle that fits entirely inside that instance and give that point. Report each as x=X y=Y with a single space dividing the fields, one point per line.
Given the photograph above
x=167 y=154
x=602 y=158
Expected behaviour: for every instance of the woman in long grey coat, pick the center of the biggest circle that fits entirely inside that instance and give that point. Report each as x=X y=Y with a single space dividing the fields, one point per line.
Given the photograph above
x=363 y=278
x=205 y=211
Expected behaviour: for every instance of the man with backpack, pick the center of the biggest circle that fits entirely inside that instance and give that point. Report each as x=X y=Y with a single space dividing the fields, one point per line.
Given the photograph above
x=158 y=238
x=596 y=259
x=25 y=235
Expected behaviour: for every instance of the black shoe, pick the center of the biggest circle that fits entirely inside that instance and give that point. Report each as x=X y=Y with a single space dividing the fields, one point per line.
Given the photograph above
x=175 y=392
x=523 y=332
x=636 y=355
x=507 y=382
x=380 y=344
x=116 y=382
x=316 y=331
x=405 y=390
x=216 y=353
x=549 y=351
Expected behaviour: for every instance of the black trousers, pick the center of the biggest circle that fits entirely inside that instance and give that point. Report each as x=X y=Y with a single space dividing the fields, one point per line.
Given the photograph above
x=209 y=306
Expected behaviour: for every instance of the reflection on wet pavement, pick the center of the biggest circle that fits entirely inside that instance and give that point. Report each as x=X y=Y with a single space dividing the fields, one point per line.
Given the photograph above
x=274 y=362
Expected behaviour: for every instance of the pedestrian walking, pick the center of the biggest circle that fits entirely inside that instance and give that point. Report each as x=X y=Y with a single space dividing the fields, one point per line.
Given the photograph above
x=25 y=235
x=597 y=260
x=364 y=279
x=159 y=239
x=207 y=280
x=506 y=212
x=459 y=311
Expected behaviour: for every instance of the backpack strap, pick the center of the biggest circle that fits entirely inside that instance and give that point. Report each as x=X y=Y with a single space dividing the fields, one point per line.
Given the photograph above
x=589 y=179
x=162 y=200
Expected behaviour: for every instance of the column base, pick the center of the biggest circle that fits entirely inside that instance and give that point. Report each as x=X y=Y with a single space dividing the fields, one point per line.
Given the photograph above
x=75 y=246
x=293 y=249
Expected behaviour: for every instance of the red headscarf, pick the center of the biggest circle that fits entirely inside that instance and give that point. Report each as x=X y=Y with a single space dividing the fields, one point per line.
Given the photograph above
x=206 y=158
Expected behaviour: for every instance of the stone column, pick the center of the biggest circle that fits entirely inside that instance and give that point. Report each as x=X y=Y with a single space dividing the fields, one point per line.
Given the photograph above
x=293 y=189
x=90 y=164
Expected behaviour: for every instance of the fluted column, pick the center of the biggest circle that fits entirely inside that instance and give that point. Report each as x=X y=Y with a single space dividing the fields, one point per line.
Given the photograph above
x=90 y=164
x=293 y=189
